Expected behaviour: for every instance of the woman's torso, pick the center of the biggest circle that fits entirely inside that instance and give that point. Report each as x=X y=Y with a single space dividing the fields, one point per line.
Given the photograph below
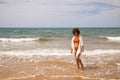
x=76 y=42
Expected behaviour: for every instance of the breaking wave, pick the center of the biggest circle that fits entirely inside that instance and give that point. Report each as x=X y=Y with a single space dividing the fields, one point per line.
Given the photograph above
x=115 y=39
x=23 y=39
x=57 y=52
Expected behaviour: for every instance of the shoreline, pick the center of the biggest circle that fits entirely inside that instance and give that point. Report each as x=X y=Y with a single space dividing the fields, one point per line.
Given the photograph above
x=60 y=67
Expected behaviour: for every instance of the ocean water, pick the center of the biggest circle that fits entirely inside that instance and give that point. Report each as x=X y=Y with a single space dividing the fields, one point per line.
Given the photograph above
x=44 y=54
x=57 y=38
x=56 y=32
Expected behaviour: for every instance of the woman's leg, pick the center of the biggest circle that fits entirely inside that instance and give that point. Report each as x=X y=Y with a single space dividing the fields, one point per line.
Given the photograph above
x=77 y=61
x=81 y=63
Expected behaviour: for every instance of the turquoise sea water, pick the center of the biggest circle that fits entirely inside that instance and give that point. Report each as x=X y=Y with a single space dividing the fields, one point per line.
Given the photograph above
x=56 y=32
x=103 y=39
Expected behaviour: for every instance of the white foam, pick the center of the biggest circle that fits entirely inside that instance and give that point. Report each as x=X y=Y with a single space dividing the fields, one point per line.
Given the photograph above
x=114 y=39
x=17 y=39
x=117 y=64
x=59 y=52
x=73 y=76
x=42 y=52
x=99 y=51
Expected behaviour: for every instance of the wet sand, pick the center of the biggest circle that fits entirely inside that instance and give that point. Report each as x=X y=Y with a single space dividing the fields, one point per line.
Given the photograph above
x=97 y=67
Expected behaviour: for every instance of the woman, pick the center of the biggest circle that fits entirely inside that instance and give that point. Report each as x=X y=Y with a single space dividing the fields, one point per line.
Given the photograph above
x=77 y=47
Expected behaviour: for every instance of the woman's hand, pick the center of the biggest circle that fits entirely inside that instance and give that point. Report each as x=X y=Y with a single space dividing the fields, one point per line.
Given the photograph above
x=71 y=51
x=82 y=49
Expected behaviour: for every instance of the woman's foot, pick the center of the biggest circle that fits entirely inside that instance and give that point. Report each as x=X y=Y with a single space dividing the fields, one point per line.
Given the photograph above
x=78 y=67
x=82 y=66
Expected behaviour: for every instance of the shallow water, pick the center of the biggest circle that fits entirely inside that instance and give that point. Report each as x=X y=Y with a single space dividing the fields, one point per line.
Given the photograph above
x=97 y=67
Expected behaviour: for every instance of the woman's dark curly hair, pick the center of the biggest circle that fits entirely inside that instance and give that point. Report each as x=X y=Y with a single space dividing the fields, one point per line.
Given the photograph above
x=76 y=30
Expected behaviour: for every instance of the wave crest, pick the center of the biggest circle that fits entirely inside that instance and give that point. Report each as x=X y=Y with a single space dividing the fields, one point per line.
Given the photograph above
x=23 y=39
x=115 y=39
x=58 y=52
x=17 y=39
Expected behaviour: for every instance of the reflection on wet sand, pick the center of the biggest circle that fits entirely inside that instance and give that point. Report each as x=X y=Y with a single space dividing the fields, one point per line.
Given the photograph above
x=59 y=67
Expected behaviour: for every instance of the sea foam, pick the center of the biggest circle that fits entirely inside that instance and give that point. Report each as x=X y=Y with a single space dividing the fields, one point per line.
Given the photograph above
x=57 y=52
x=17 y=39
x=115 y=39
x=25 y=39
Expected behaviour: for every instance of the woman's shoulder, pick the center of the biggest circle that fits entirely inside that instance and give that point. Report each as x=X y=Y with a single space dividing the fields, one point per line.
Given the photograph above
x=80 y=36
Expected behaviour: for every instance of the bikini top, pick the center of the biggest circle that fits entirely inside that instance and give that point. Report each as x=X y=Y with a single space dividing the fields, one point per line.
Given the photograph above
x=76 y=40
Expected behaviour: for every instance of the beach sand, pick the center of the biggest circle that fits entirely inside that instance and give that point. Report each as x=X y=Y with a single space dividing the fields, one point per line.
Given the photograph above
x=97 y=67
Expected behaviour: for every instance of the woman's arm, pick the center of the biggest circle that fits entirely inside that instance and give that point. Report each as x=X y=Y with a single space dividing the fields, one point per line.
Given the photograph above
x=71 y=50
x=82 y=49
x=72 y=45
x=82 y=45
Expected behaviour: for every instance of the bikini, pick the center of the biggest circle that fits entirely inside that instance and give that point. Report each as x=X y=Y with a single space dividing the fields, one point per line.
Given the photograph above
x=76 y=43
